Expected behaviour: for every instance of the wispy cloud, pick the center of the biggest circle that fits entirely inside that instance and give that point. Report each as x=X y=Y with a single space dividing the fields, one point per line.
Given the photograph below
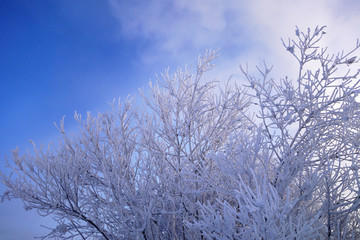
x=243 y=30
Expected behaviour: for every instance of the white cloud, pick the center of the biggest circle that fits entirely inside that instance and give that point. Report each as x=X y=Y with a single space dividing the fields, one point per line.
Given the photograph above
x=243 y=30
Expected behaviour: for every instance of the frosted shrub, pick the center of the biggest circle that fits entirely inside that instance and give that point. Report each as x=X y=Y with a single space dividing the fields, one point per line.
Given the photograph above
x=277 y=160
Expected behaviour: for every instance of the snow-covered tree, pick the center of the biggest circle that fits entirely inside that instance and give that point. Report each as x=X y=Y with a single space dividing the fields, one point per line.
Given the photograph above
x=278 y=160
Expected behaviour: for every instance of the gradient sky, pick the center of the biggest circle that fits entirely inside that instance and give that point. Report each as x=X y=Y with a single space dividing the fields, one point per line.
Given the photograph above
x=60 y=56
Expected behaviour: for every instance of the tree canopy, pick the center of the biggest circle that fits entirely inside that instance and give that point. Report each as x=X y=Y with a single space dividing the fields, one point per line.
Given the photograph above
x=275 y=159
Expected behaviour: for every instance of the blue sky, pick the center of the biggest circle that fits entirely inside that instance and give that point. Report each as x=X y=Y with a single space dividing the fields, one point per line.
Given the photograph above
x=60 y=56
